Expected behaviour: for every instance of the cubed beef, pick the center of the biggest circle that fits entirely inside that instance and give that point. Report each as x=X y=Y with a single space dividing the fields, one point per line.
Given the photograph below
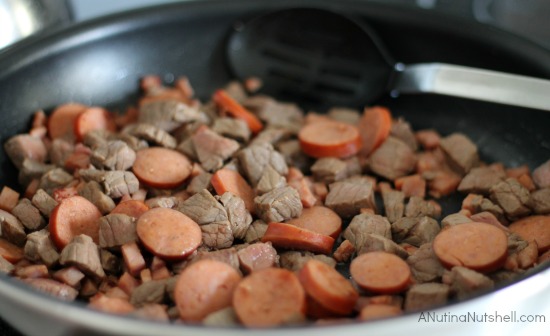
x=111 y=263
x=83 y=253
x=54 y=179
x=60 y=150
x=12 y=229
x=236 y=90
x=204 y=209
x=454 y=219
x=70 y=276
x=199 y=182
x=96 y=138
x=329 y=170
x=167 y=114
x=28 y=215
x=239 y=217
x=393 y=159
x=278 y=205
x=426 y=296
x=541 y=175
x=40 y=248
x=226 y=255
x=461 y=153
x=133 y=142
x=402 y=130
x=428 y=138
x=480 y=180
x=255 y=158
x=116 y=230
x=32 y=169
x=512 y=197
x=394 y=204
x=93 y=192
x=466 y=283
x=255 y=231
x=24 y=146
x=151 y=134
x=364 y=224
x=270 y=180
x=418 y=207
x=113 y=155
x=44 y=202
x=295 y=260
x=425 y=265
x=212 y=149
x=540 y=201
x=477 y=203
x=373 y=242
x=188 y=149
x=53 y=288
x=271 y=136
x=258 y=256
x=344 y=114
x=116 y=183
x=276 y=114
x=292 y=152
x=347 y=198
x=344 y=252
x=232 y=128
x=225 y=317
x=489 y=218
x=415 y=230
x=161 y=202
x=5 y=266
x=152 y=291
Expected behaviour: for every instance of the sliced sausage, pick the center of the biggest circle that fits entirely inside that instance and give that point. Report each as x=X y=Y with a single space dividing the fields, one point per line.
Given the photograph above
x=379 y=311
x=534 y=228
x=168 y=233
x=479 y=246
x=93 y=118
x=292 y=237
x=381 y=272
x=329 y=139
x=269 y=297
x=161 y=167
x=319 y=219
x=132 y=208
x=61 y=121
x=72 y=217
x=203 y=288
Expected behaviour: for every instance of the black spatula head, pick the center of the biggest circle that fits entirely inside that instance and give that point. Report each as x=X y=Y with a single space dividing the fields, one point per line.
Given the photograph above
x=311 y=56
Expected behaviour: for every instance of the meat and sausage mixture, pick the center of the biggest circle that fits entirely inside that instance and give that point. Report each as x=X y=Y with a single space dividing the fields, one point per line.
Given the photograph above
x=240 y=211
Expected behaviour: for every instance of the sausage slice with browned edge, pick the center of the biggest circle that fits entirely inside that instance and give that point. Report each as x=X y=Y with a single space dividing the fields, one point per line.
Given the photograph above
x=478 y=246
x=168 y=233
x=381 y=272
x=160 y=167
x=269 y=297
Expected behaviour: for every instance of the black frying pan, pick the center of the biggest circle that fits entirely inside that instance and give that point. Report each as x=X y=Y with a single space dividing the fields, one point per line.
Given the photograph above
x=100 y=63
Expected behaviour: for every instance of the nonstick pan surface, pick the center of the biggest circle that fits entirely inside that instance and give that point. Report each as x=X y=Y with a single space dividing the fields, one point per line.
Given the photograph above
x=100 y=63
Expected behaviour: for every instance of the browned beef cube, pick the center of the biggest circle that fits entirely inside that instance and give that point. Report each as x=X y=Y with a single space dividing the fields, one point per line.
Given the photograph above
x=415 y=230
x=270 y=180
x=454 y=219
x=255 y=158
x=44 y=202
x=92 y=192
x=461 y=153
x=236 y=129
x=83 y=253
x=394 y=204
x=255 y=231
x=96 y=138
x=418 y=207
x=116 y=230
x=292 y=152
x=133 y=142
x=329 y=170
x=466 y=283
x=40 y=248
x=540 y=201
x=393 y=159
x=347 y=198
x=278 y=205
x=373 y=242
x=512 y=197
x=5 y=266
x=258 y=256
x=168 y=114
x=12 y=229
x=425 y=265
x=345 y=115
x=152 y=134
x=110 y=263
x=29 y=215
x=212 y=149
x=426 y=296
x=541 y=175
x=239 y=217
x=277 y=114
x=53 y=288
x=295 y=260
x=60 y=151
x=152 y=291
x=113 y=155
x=271 y=136
x=161 y=202
x=480 y=180
x=204 y=209
x=24 y=146
x=116 y=183
x=402 y=130
x=54 y=179
x=479 y=203
x=225 y=255
x=200 y=182
x=344 y=252
x=365 y=224
x=32 y=169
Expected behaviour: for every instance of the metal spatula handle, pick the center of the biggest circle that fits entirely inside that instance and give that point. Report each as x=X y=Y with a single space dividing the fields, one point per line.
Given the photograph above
x=466 y=82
